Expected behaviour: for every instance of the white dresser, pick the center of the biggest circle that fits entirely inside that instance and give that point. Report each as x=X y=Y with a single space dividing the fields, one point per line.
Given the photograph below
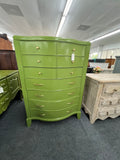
x=101 y=97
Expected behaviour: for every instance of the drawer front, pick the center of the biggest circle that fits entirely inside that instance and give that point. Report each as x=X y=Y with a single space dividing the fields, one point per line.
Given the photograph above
x=111 y=89
x=3 y=83
x=69 y=72
x=109 y=101
x=5 y=91
x=39 y=61
x=66 y=61
x=53 y=115
x=32 y=84
x=13 y=83
x=53 y=95
x=38 y=47
x=42 y=73
x=4 y=100
x=106 y=112
x=53 y=105
x=67 y=49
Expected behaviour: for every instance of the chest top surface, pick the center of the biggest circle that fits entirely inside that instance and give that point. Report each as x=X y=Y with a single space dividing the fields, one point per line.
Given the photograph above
x=104 y=78
x=4 y=73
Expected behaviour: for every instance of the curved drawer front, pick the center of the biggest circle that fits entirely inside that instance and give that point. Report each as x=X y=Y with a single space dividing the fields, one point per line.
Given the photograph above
x=38 y=47
x=53 y=115
x=68 y=48
x=42 y=73
x=109 y=101
x=66 y=61
x=5 y=91
x=111 y=89
x=53 y=105
x=58 y=84
x=39 y=61
x=69 y=72
x=53 y=95
x=4 y=100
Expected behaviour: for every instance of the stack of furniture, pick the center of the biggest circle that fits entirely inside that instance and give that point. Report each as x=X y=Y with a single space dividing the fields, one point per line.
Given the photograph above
x=9 y=86
x=111 y=62
x=8 y=60
x=52 y=72
x=101 y=97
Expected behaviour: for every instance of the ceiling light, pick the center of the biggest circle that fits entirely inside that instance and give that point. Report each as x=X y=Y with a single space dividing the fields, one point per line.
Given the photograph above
x=66 y=10
x=106 y=35
x=67 y=7
x=60 y=25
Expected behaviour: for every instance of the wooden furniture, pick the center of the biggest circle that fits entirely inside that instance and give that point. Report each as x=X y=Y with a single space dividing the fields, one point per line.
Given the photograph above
x=101 y=97
x=117 y=65
x=52 y=72
x=9 y=86
x=110 y=61
x=8 y=60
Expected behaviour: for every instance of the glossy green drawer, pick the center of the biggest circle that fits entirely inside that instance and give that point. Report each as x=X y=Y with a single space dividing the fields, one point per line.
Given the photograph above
x=38 y=47
x=5 y=91
x=4 y=100
x=3 y=83
x=66 y=61
x=13 y=82
x=59 y=84
x=53 y=105
x=39 y=61
x=67 y=49
x=42 y=73
x=69 y=72
x=53 y=95
x=53 y=115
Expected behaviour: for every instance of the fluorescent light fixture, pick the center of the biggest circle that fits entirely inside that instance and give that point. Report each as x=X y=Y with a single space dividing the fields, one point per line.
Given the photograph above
x=66 y=10
x=106 y=35
x=67 y=7
x=60 y=25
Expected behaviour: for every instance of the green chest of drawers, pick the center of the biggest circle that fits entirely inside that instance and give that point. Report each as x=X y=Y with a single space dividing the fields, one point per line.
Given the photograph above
x=52 y=72
x=9 y=86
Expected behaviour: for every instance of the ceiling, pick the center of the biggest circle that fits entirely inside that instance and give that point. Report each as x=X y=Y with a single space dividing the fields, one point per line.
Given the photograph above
x=86 y=20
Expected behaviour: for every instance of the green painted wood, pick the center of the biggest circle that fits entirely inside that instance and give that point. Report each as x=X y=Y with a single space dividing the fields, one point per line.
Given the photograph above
x=48 y=84
x=39 y=61
x=52 y=84
x=53 y=105
x=9 y=81
x=38 y=47
x=51 y=95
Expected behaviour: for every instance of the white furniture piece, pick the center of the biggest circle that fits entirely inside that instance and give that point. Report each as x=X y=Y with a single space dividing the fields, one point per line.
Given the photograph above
x=101 y=98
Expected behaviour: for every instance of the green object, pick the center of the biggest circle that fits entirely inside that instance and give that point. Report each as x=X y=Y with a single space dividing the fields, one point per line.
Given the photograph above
x=52 y=72
x=9 y=86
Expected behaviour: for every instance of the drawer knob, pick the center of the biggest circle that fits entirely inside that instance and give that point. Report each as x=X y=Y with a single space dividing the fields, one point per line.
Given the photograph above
x=43 y=114
x=39 y=95
x=2 y=103
x=6 y=99
x=70 y=93
x=74 y=49
x=41 y=106
x=71 y=83
x=39 y=73
x=38 y=61
x=71 y=73
x=68 y=111
x=39 y=84
x=115 y=90
x=69 y=103
x=110 y=102
x=37 y=47
x=2 y=84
